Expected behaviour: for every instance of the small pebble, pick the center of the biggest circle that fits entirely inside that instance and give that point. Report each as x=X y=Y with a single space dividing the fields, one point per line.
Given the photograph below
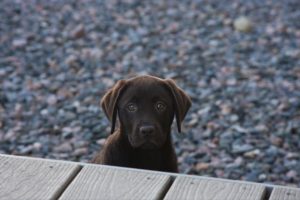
x=202 y=166
x=80 y=151
x=252 y=154
x=63 y=148
x=70 y=60
x=18 y=43
x=243 y=24
x=78 y=31
x=52 y=100
x=101 y=142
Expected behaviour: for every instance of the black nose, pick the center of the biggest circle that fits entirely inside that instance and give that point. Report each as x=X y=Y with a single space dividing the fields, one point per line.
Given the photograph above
x=146 y=130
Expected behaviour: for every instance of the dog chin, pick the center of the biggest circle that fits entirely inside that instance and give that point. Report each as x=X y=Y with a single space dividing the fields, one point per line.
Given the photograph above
x=149 y=145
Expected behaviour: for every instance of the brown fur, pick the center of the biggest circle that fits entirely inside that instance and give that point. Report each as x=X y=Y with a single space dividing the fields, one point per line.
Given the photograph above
x=145 y=107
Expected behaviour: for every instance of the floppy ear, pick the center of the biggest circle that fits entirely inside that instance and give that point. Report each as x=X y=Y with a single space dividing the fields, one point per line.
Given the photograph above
x=182 y=102
x=109 y=102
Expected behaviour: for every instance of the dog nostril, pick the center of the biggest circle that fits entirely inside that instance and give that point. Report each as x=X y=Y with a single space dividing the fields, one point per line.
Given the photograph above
x=146 y=130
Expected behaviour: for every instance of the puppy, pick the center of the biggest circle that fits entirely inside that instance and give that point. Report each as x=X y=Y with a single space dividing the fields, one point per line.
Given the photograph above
x=145 y=107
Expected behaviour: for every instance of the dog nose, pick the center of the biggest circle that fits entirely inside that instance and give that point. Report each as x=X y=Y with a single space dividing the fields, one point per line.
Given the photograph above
x=146 y=130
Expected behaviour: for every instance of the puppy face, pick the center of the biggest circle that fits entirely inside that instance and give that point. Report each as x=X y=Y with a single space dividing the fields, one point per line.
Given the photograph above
x=146 y=106
x=146 y=113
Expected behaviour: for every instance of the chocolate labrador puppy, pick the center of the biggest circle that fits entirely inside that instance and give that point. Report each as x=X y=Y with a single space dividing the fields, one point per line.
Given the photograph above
x=145 y=107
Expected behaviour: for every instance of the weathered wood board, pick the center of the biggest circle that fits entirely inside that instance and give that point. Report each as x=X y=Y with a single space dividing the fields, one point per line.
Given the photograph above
x=96 y=182
x=206 y=189
x=285 y=194
x=22 y=178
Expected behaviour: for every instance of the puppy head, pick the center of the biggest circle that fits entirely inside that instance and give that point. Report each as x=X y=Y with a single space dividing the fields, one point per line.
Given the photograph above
x=146 y=106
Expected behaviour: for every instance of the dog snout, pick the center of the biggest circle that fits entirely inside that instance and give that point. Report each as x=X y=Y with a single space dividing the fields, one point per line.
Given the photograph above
x=147 y=130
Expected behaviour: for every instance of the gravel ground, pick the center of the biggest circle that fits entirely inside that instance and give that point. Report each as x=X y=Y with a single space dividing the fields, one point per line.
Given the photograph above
x=57 y=58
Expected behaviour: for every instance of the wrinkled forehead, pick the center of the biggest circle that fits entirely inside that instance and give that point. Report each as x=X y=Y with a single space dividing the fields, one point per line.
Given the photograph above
x=146 y=90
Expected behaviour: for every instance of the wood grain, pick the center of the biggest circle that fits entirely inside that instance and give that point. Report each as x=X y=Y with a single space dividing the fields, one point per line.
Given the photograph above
x=22 y=178
x=204 y=189
x=96 y=182
x=285 y=194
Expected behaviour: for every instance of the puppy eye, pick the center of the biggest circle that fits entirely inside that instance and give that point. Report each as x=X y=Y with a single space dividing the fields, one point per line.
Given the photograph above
x=131 y=107
x=160 y=106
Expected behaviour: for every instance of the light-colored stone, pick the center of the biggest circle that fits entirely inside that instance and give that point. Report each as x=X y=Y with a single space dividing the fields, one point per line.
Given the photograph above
x=64 y=147
x=18 y=43
x=202 y=166
x=243 y=24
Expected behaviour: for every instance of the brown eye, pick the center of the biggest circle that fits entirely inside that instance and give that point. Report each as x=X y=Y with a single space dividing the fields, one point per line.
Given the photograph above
x=131 y=107
x=160 y=106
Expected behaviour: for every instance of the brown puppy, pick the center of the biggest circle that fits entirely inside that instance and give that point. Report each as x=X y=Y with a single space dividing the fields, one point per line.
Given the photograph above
x=145 y=106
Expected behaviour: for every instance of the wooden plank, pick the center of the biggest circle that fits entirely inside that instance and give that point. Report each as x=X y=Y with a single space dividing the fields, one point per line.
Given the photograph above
x=285 y=194
x=97 y=182
x=22 y=178
x=204 y=189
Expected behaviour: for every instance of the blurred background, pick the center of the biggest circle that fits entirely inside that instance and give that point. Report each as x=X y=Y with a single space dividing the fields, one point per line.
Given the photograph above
x=239 y=61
